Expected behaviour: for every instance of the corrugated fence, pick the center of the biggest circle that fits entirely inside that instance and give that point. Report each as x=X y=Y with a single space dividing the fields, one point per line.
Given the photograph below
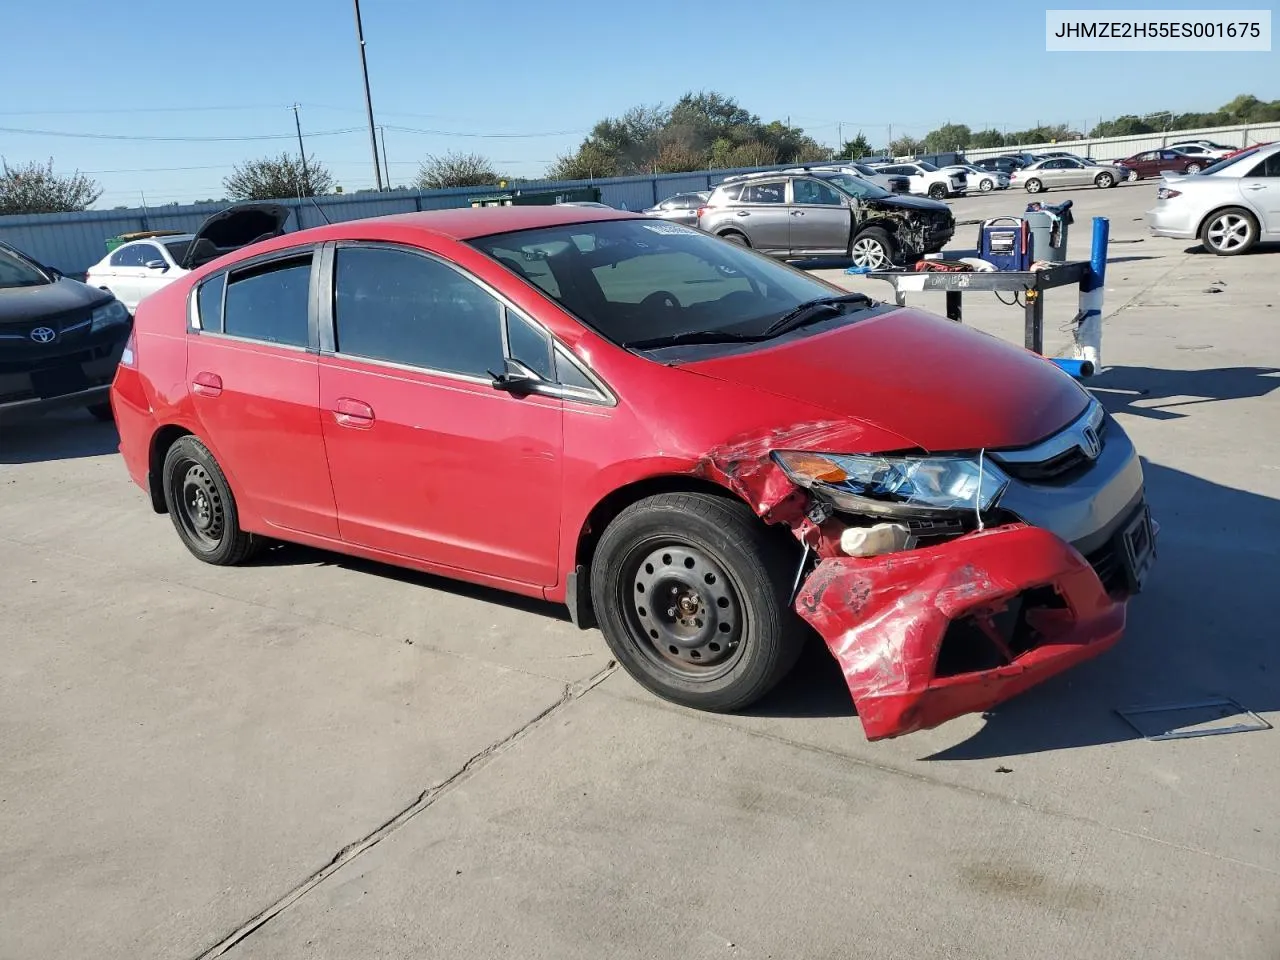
x=72 y=242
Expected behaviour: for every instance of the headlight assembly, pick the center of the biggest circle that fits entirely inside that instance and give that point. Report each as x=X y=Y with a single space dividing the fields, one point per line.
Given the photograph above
x=896 y=486
x=109 y=315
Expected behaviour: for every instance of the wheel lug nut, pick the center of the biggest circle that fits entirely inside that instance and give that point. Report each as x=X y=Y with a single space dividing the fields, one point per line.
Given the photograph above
x=671 y=611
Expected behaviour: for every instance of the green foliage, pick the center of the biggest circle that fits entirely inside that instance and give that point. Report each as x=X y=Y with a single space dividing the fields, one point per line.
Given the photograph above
x=985 y=139
x=455 y=170
x=277 y=178
x=34 y=188
x=1245 y=108
x=859 y=146
x=949 y=136
x=701 y=130
x=905 y=146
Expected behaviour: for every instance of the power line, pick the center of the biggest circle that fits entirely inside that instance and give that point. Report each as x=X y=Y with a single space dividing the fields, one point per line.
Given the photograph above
x=145 y=139
x=486 y=136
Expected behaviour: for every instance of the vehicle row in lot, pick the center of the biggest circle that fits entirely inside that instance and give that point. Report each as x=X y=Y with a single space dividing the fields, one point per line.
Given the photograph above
x=691 y=444
x=1229 y=206
x=1066 y=172
x=816 y=212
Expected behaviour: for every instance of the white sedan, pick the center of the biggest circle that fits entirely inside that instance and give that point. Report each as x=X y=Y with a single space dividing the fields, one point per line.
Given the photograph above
x=1229 y=206
x=983 y=181
x=135 y=270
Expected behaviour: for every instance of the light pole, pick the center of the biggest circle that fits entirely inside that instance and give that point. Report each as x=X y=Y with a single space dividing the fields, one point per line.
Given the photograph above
x=368 y=100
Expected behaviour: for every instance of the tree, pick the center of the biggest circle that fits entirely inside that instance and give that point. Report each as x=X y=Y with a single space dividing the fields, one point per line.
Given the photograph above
x=949 y=136
x=589 y=162
x=859 y=146
x=34 y=188
x=986 y=139
x=905 y=146
x=277 y=178
x=455 y=170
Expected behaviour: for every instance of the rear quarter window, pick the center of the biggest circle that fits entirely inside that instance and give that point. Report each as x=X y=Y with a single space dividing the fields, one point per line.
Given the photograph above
x=727 y=193
x=209 y=303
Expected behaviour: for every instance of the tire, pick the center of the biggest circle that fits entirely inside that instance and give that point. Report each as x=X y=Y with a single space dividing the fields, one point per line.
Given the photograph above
x=986 y=186
x=1034 y=185
x=1229 y=232
x=102 y=412
x=201 y=505
x=733 y=636
x=872 y=248
x=1193 y=168
x=937 y=191
x=733 y=236
x=1104 y=181
x=1134 y=176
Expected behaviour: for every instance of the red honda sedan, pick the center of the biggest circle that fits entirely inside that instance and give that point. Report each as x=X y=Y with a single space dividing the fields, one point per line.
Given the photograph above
x=696 y=447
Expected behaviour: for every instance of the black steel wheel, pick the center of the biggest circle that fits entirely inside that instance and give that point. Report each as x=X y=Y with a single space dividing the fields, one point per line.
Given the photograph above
x=201 y=505
x=691 y=593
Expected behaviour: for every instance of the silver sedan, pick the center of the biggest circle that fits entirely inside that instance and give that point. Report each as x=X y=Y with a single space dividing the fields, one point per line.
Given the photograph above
x=1065 y=172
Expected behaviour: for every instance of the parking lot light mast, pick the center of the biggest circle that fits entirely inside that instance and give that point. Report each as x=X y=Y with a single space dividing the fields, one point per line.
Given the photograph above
x=368 y=100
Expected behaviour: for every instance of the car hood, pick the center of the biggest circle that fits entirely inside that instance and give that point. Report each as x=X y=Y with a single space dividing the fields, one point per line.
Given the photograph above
x=233 y=228
x=940 y=385
x=23 y=304
x=901 y=202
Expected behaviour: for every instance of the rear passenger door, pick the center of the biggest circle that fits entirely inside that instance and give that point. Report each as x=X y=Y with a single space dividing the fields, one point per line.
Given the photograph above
x=126 y=273
x=254 y=382
x=428 y=459
x=820 y=219
x=763 y=215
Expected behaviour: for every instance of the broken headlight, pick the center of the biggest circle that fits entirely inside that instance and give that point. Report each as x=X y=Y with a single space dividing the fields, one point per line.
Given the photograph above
x=896 y=486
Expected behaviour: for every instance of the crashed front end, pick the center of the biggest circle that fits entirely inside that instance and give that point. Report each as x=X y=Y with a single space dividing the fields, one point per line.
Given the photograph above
x=944 y=585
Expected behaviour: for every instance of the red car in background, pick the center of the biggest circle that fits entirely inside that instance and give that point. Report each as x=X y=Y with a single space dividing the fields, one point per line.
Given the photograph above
x=1152 y=163
x=690 y=444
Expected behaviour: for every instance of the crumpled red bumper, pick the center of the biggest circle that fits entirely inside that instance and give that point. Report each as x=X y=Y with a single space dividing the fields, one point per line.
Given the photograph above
x=885 y=620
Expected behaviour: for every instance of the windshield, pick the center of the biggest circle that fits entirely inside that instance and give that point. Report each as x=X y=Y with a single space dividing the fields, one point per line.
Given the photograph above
x=928 y=167
x=1223 y=164
x=856 y=186
x=16 y=272
x=635 y=280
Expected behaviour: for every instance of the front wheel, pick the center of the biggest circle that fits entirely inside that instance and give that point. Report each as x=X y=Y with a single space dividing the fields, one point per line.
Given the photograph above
x=986 y=186
x=1193 y=168
x=1134 y=176
x=201 y=505
x=691 y=592
x=873 y=249
x=1229 y=232
x=1034 y=185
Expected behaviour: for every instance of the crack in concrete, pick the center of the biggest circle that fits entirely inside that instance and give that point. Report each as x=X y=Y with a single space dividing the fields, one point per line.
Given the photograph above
x=572 y=691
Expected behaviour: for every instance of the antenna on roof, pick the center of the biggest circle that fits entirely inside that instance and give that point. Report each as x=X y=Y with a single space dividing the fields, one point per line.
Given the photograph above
x=320 y=210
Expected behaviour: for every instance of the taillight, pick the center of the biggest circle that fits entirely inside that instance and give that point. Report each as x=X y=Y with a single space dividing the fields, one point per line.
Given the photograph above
x=129 y=356
x=1164 y=193
x=701 y=211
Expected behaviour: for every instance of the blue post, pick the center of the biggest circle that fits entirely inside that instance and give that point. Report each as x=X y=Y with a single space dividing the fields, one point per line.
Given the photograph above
x=1088 y=330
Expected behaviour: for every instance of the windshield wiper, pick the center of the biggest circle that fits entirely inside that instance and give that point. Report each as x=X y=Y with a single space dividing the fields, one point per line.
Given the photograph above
x=692 y=336
x=811 y=310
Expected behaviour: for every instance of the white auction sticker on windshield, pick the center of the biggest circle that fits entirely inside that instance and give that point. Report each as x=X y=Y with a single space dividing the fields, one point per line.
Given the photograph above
x=668 y=228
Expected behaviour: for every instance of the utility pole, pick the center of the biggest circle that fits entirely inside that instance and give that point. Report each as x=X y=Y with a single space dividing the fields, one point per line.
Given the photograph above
x=839 y=136
x=368 y=100
x=386 y=165
x=297 y=124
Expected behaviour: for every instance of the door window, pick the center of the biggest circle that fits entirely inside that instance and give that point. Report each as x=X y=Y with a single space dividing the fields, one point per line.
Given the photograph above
x=405 y=308
x=131 y=255
x=269 y=301
x=152 y=253
x=772 y=192
x=811 y=191
x=1270 y=167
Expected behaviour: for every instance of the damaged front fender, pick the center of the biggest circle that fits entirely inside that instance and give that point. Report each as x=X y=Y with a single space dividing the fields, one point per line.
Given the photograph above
x=926 y=635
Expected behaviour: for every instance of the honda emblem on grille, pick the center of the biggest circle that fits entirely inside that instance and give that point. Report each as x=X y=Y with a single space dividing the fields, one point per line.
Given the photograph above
x=44 y=334
x=1089 y=443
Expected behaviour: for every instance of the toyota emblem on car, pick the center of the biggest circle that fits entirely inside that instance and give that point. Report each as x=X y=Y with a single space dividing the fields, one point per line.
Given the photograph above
x=44 y=334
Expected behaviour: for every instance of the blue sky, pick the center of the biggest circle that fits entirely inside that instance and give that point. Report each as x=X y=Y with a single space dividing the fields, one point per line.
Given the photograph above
x=527 y=81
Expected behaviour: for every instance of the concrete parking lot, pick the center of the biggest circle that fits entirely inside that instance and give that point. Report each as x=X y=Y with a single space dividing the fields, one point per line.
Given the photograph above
x=319 y=757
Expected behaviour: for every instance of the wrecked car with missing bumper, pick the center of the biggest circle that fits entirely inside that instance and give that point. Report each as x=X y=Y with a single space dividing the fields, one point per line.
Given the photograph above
x=707 y=453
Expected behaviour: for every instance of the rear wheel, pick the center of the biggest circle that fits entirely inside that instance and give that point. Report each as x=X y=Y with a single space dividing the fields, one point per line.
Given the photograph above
x=201 y=506
x=733 y=236
x=691 y=592
x=937 y=191
x=1034 y=185
x=873 y=249
x=1229 y=232
x=102 y=411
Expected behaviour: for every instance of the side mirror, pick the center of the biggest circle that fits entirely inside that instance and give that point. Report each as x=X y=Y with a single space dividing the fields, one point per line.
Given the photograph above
x=55 y=273
x=160 y=265
x=516 y=379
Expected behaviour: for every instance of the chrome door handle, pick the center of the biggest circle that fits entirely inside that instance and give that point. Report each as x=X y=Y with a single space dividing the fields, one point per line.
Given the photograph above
x=1257 y=186
x=797 y=213
x=744 y=213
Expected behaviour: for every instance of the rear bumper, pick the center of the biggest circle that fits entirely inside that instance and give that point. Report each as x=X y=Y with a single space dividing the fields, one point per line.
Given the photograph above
x=1170 y=221
x=24 y=409
x=927 y=635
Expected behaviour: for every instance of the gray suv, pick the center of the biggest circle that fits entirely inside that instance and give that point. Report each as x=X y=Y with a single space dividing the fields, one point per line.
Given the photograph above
x=798 y=215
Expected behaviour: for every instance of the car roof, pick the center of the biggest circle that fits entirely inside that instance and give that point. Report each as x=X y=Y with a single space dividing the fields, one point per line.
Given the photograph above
x=166 y=238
